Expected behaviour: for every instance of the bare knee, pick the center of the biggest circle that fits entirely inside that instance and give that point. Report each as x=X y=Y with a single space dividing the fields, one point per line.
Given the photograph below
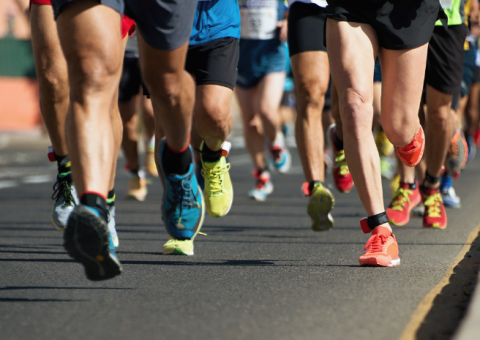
x=214 y=118
x=53 y=85
x=166 y=87
x=310 y=98
x=357 y=115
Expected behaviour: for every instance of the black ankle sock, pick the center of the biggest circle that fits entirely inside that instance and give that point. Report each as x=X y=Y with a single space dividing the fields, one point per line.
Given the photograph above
x=97 y=202
x=337 y=142
x=134 y=171
x=430 y=179
x=63 y=163
x=111 y=198
x=411 y=186
x=176 y=162
x=209 y=155
x=312 y=184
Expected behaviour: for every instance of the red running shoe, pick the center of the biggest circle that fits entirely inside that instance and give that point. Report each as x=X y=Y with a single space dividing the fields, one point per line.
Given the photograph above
x=341 y=174
x=434 y=215
x=412 y=153
x=404 y=200
x=381 y=249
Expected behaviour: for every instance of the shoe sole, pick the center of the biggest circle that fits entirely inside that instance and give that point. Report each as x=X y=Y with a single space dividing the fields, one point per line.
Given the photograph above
x=178 y=251
x=86 y=240
x=420 y=156
x=135 y=198
x=319 y=209
x=373 y=262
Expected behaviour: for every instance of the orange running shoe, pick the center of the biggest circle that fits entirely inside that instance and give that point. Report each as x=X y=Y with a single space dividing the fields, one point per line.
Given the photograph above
x=412 y=153
x=381 y=249
x=341 y=174
x=435 y=215
x=403 y=201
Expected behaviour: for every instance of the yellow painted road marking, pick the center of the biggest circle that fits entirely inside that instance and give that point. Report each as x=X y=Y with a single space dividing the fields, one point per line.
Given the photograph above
x=409 y=333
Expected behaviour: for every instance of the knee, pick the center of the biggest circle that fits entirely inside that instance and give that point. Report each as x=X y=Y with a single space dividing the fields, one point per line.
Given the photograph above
x=54 y=85
x=166 y=87
x=214 y=117
x=93 y=74
x=357 y=116
x=401 y=135
x=310 y=98
x=439 y=118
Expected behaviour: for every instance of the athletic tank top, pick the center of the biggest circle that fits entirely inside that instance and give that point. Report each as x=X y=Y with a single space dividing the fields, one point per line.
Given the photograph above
x=259 y=18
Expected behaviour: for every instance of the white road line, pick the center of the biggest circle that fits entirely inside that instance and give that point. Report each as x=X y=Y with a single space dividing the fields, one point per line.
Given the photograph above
x=38 y=179
x=8 y=184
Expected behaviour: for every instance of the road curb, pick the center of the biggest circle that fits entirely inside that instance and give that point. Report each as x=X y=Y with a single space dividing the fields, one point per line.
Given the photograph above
x=470 y=326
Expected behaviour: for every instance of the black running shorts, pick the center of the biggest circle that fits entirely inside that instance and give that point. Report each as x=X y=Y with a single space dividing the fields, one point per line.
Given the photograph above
x=306 y=26
x=164 y=24
x=130 y=81
x=214 y=62
x=445 y=59
x=399 y=24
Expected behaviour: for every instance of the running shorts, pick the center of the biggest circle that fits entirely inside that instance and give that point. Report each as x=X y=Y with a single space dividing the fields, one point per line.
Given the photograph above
x=127 y=25
x=214 y=62
x=259 y=58
x=476 y=75
x=164 y=24
x=399 y=24
x=306 y=26
x=445 y=59
x=377 y=72
x=468 y=71
x=130 y=81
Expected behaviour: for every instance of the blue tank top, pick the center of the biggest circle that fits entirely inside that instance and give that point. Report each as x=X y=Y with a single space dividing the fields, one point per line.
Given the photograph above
x=215 y=19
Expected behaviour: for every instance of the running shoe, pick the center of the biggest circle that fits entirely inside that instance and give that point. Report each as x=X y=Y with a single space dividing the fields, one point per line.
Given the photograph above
x=450 y=198
x=341 y=174
x=87 y=240
x=64 y=195
x=320 y=205
x=263 y=187
x=434 y=215
x=150 y=165
x=381 y=249
x=472 y=148
x=178 y=247
x=198 y=174
x=457 y=152
x=476 y=138
x=137 y=187
x=403 y=202
x=412 y=153
x=385 y=148
x=218 y=185
x=111 y=226
x=183 y=206
x=281 y=156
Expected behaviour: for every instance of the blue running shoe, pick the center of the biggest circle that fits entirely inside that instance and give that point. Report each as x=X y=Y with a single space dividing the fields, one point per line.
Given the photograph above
x=198 y=174
x=472 y=148
x=88 y=241
x=450 y=198
x=281 y=156
x=183 y=206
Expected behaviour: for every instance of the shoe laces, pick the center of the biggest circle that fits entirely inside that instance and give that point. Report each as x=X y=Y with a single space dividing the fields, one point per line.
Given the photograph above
x=181 y=192
x=376 y=243
x=432 y=203
x=215 y=176
x=63 y=187
x=341 y=162
x=402 y=196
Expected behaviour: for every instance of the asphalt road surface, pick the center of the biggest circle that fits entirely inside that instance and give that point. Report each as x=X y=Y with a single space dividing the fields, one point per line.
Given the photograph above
x=261 y=273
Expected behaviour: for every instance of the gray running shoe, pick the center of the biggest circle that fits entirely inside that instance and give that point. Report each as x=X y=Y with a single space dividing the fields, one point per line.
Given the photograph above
x=65 y=198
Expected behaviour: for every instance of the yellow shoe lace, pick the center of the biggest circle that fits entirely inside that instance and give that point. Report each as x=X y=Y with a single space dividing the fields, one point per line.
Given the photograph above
x=402 y=196
x=432 y=203
x=341 y=162
x=215 y=177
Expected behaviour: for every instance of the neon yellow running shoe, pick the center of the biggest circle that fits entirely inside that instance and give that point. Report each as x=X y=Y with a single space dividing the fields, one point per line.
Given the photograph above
x=178 y=247
x=385 y=148
x=319 y=206
x=218 y=190
x=395 y=184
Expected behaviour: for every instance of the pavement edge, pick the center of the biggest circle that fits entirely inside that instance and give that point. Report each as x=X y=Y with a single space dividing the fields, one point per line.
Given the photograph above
x=423 y=308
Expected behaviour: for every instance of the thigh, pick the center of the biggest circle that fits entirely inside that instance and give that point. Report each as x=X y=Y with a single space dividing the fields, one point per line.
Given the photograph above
x=352 y=48
x=49 y=58
x=402 y=77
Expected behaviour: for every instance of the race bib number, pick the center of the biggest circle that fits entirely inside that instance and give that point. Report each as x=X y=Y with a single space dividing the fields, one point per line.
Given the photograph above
x=446 y=4
x=259 y=23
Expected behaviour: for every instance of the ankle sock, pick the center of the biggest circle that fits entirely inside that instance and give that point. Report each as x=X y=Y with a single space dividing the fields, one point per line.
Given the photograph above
x=134 y=171
x=337 y=142
x=111 y=198
x=430 y=179
x=64 y=167
x=209 y=155
x=411 y=186
x=176 y=162
x=312 y=184
x=96 y=201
